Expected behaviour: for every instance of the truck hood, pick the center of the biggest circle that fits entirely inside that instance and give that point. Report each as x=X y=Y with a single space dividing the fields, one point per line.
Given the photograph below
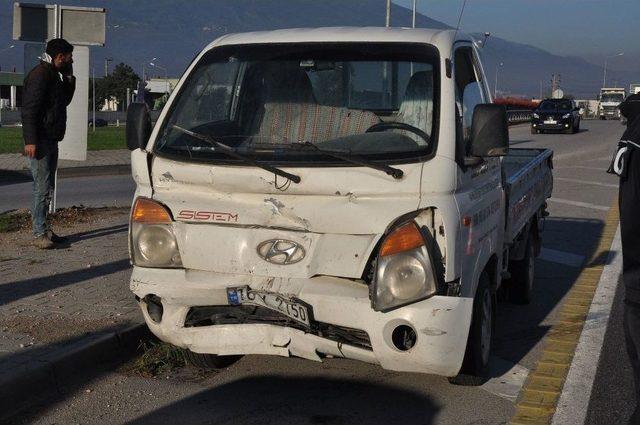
x=336 y=214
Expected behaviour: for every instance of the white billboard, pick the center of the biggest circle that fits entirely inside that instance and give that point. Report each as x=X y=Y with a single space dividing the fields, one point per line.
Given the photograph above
x=74 y=144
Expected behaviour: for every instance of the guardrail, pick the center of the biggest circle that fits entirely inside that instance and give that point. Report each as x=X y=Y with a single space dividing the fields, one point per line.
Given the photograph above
x=517 y=116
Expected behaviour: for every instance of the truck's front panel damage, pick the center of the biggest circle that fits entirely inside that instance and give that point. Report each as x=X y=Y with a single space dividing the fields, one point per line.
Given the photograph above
x=196 y=315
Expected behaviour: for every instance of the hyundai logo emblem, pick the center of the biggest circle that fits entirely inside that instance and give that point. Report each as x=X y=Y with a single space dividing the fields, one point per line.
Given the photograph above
x=281 y=251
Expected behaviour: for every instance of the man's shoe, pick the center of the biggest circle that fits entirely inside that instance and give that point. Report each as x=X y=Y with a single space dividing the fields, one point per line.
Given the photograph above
x=43 y=242
x=55 y=238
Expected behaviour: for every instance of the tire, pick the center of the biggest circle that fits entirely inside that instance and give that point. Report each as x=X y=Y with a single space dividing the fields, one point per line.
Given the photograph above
x=534 y=131
x=522 y=275
x=210 y=361
x=476 y=358
x=569 y=130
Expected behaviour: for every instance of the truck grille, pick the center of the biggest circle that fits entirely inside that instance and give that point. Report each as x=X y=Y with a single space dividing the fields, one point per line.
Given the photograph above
x=246 y=314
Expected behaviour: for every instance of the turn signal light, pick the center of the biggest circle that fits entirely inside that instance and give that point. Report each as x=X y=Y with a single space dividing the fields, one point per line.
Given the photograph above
x=147 y=211
x=404 y=238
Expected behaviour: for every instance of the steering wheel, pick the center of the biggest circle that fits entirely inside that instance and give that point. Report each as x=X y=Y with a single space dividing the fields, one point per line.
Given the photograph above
x=383 y=126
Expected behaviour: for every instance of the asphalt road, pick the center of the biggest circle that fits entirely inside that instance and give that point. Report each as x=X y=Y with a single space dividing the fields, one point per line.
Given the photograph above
x=266 y=390
x=95 y=191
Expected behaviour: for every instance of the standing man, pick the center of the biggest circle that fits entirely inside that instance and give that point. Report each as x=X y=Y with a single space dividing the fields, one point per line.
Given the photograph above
x=47 y=91
x=627 y=165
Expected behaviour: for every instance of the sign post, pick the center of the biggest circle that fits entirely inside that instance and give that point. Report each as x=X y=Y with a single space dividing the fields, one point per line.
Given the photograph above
x=80 y=26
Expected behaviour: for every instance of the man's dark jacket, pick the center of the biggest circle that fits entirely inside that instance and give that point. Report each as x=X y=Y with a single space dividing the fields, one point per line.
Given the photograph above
x=45 y=98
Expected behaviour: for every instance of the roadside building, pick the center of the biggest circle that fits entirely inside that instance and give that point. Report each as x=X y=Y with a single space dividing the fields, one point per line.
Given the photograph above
x=11 y=89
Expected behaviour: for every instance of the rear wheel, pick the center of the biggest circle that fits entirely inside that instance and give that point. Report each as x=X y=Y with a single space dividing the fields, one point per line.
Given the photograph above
x=522 y=275
x=210 y=361
x=476 y=357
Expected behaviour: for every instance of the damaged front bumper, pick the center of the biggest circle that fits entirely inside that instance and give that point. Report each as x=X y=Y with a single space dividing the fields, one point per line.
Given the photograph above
x=344 y=324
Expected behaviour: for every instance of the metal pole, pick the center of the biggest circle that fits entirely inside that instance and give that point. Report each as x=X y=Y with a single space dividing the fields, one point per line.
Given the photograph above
x=388 y=22
x=56 y=34
x=93 y=77
x=413 y=21
x=604 y=78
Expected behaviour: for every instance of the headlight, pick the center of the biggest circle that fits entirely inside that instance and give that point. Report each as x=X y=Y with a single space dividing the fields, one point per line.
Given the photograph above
x=404 y=273
x=565 y=116
x=536 y=115
x=153 y=243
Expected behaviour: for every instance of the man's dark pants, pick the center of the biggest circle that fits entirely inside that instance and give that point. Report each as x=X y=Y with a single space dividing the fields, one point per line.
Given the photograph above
x=43 y=169
x=630 y=232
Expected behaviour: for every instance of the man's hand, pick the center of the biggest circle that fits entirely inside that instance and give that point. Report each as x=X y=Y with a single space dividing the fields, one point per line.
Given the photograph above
x=30 y=151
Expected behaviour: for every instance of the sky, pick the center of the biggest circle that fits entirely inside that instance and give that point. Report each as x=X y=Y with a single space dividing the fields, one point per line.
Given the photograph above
x=591 y=29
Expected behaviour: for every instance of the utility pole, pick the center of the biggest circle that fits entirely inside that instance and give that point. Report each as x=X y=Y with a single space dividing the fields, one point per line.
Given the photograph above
x=388 y=22
x=106 y=66
x=495 y=87
x=541 y=90
x=93 y=78
x=413 y=20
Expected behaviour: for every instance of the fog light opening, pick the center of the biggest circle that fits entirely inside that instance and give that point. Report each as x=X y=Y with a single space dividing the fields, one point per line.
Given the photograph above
x=404 y=337
x=154 y=307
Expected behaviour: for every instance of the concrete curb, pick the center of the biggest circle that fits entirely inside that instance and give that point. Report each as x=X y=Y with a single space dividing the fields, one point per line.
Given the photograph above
x=21 y=176
x=40 y=381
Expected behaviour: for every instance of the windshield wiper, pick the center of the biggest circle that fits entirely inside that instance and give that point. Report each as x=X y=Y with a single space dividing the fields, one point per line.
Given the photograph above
x=228 y=150
x=347 y=156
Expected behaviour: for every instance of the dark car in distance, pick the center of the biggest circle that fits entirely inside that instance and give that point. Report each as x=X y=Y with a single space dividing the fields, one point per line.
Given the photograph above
x=556 y=115
x=99 y=122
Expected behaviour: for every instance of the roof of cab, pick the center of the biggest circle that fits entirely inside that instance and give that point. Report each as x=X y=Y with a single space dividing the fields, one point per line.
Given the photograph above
x=345 y=34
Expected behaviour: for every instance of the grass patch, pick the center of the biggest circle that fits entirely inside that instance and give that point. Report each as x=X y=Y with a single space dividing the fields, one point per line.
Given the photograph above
x=14 y=221
x=102 y=139
x=157 y=358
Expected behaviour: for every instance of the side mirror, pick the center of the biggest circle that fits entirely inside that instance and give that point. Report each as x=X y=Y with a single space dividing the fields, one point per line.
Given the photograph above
x=138 y=126
x=489 y=131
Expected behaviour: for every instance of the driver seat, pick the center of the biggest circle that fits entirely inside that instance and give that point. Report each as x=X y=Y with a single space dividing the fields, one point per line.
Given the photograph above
x=416 y=108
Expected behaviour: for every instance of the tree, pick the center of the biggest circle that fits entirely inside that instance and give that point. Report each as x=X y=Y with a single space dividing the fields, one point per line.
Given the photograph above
x=116 y=84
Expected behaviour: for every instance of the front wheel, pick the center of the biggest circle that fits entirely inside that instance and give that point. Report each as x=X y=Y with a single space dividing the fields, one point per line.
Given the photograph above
x=210 y=361
x=534 y=131
x=476 y=358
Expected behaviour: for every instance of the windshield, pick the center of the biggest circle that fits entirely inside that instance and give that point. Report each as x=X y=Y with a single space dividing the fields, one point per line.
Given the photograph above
x=265 y=101
x=560 y=105
x=612 y=97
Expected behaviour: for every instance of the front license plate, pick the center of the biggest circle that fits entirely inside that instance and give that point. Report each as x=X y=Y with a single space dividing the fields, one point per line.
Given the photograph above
x=551 y=122
x=290 y=308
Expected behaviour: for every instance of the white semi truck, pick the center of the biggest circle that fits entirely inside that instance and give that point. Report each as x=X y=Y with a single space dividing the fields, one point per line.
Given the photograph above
x=609 y=102
x=634 y=89
x=336 y=192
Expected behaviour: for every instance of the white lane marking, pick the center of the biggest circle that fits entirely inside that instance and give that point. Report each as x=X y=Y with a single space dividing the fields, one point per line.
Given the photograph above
x=574 y=400
x=579 y=204
x=564 y=179
x=509 y=384
x=561 y=257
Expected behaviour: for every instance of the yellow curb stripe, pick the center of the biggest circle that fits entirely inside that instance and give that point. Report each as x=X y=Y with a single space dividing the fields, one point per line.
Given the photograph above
x=540 y=394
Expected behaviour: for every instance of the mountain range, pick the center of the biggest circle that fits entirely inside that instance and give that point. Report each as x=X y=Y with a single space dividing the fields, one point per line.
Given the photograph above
x=174 y=31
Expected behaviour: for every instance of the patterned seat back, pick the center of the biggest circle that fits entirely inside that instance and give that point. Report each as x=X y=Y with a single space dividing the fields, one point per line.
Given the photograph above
x=291 y=113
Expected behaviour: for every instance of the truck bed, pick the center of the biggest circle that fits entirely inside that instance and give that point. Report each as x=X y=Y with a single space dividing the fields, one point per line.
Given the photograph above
x=528 y=182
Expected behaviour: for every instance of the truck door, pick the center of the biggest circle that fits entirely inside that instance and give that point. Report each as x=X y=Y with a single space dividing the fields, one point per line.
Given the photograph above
x=479 y=194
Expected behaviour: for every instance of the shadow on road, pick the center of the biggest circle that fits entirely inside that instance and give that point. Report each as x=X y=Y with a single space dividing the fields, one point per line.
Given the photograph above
x=281 y=400
x=8 y=177
x=521 y=327
x=13 y=291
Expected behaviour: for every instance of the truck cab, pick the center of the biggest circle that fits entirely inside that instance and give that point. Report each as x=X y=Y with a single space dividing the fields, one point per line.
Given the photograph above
x=609 y=103
x=333 y=192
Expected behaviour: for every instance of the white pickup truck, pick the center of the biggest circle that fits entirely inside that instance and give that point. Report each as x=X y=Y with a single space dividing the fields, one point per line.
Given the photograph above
x=335 y=192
